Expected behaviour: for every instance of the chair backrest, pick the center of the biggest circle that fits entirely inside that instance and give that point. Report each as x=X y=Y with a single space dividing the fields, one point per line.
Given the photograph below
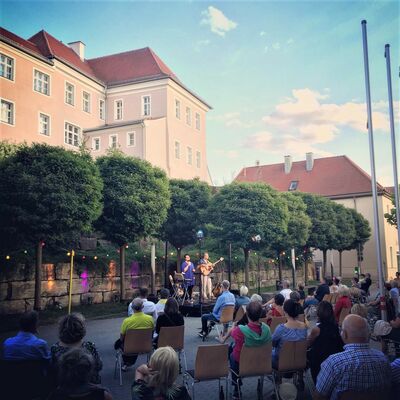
x=275 y=321
x=240 y=313
x=172 y=336
x=352 y=395
x=256 y=361
x=171 y=280
x=227 y=314
x=343 y=314
x=334 y=297
x=327 y=297
x=301 y=301
x=138 y=341
x=293 y=356
x=211 y=362
x=265 y=320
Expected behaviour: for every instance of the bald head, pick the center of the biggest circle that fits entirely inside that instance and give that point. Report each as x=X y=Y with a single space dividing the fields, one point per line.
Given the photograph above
x=355 y=329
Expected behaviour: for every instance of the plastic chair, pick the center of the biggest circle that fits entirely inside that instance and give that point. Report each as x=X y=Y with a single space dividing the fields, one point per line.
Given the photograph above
x=137 y=341
x=226 y=318
x=334 y=298
x=211 y=364
x=327 y=298
x=275 y=321
x=343 y=314
x=240 y=313
x=173 y=336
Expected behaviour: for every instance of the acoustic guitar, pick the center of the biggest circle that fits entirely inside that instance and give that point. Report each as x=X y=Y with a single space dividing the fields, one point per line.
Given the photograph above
x=206 y=269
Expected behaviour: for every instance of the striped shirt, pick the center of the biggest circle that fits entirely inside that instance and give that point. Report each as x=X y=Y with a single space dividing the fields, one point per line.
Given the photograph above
x=396 y=371
x=357 y=368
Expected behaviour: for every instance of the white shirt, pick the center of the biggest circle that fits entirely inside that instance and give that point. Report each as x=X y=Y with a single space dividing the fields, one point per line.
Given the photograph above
x=161 y=305
x=286 y=293
x=149 y=308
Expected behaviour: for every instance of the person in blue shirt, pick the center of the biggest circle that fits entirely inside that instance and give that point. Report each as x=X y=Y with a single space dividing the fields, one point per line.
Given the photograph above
x=187 y=268
x=225 y=299
x=25 y=345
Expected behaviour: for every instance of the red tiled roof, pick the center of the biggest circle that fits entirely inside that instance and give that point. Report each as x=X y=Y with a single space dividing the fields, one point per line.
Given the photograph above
x=20 y=41
x=331 y=177
x=130 y=66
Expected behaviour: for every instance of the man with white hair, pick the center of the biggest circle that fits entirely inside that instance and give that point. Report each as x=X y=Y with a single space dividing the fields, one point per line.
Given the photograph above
x=285 y=292
x=358 y=368
x=243 y=299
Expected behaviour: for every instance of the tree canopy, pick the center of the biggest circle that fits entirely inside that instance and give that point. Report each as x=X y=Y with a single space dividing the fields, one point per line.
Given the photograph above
x=391 y=216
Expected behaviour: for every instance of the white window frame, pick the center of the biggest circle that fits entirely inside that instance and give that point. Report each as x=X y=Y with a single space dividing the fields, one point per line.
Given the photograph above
x=102 y=110
x=110 y=140
x=177 y=150
x=115 y=109
x=93 y=143
x=79 y=134
x=13 y=69
x=197 y=121
x=48 y=83
x=89 y=101
x=13 y=111
x=147 y=104
x=128 y=142
x=40 y=113
x=73 y=94
x=178 y=108
x=188 y=115
x=189 y=155
x=198 y=159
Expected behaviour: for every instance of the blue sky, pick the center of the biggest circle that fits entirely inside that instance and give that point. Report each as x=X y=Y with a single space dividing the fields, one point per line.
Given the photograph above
x=282 y=77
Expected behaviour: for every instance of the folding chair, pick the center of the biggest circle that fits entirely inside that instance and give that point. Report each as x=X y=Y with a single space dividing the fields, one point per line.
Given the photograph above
x=327 y=298
x=256 y=361
x=343 y=314
x=174 y=288
x=226 y=318
x=334 y=298
x=275 y=321
x=137 y=341
x=211 y=364
x=173 y=336
x=240 y=313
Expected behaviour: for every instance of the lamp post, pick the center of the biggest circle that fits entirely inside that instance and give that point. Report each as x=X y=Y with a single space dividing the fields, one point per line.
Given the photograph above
x=230 y=264
x=200 y=237
x=166 y=283
x=257 y=239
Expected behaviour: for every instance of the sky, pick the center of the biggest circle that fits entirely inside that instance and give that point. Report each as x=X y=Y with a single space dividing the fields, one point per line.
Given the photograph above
x=283 y=78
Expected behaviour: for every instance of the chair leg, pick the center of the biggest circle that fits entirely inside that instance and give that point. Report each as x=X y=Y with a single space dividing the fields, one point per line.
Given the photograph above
x=120 y=368
x=193 y=390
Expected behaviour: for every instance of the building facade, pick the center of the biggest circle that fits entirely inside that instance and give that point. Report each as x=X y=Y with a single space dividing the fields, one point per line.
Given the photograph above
x=132 y=101
x=341 y=180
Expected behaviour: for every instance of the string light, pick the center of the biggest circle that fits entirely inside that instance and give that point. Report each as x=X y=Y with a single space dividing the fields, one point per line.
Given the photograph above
x=68 y=254
x=126 y=246
x=95 y=257
x=25 y=252
x=8 y=257
x=83 y=257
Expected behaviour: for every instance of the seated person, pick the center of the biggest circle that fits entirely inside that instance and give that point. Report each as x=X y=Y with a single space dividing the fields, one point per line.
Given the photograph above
x=355 y=282
x=365 y=283
x=343 y=301
x=292 y=331
x=171 y=317
x=257 y=298
x=334 y=288
x=75 y=370
x=164 y=294
x=156 y=380
x=392 y=333
x=243 y=299
x=396 y=373
x=359 y=309
x=149 y=308
x=310 y=299
x=276 y=308
x=26 y=345
x=285 y=292
x=71 y=332
x=300 y=290
x=323 y=289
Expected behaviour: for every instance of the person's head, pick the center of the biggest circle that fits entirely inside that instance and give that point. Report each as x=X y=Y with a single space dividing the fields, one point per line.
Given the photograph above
x=394 y=284
x=355 y=329
x=143 y=292
x=328 y=280
x=164 y=293
x=292 y=309
x=355 y=280
x=29 y=322
x=75 y=368
x=300 y=286
x=254 y=311
x=72 y=328
x=359 y=309
x=368 y=275
x=187 y=257
x=171 y=306
x=244 y=290
x=137 y=304
x=388 y=286
x=311 y=291
x=336 y=281
x=205 y=256
x=397 y=275
x=256 y=297
x=325 y=312
x=295 y=296
x=344 y=291
x=355 y=292
x=165 y=368
x=225 y=285
x=286 y=284
x=279 y=299
x=362 y=276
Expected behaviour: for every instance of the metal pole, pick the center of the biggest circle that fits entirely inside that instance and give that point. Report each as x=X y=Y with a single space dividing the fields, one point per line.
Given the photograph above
x=70 y=281
x=166 y=283
x=393 y=139
x=230 y=264
x=372 y=160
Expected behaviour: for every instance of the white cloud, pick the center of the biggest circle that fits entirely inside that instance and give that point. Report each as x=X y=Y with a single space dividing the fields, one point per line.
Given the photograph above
x=218 y=22
x=266 y=49
x=290 y=41
x=263 y=33
x=230 y=154
x=232 y=120
x=276 y=46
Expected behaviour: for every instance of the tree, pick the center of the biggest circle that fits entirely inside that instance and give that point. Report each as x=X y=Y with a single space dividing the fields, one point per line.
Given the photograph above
x=47 y=195
x=7 y=149
x=240 y=211
x=391 y=217
x=136 y=200
x=189 y=202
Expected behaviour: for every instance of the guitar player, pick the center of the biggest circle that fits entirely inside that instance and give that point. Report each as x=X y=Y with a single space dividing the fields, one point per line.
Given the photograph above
x=205 y=266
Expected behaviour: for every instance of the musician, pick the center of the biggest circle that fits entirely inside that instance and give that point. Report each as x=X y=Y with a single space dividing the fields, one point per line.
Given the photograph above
x=206 y=284
x=187 y=268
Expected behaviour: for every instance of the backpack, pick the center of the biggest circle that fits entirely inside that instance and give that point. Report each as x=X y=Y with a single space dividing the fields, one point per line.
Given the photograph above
x=310 y=312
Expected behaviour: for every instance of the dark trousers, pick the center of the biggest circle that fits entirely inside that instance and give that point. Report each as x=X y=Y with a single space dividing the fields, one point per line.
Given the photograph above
x=128 y=360
x=234 y=367
x=204 y=321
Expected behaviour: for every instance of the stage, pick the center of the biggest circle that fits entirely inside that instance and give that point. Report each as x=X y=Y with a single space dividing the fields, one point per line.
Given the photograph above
x=196 y=309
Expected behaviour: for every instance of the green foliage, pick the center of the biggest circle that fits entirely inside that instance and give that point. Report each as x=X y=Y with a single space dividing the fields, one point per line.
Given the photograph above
x=362 y=229
x=345 y=228
x=391 y=217
x=136 y=198
x=47 y=193
x=7 y=149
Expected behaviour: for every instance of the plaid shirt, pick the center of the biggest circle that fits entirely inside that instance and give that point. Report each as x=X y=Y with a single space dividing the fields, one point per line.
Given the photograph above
x=396 y=371
x=357 y=368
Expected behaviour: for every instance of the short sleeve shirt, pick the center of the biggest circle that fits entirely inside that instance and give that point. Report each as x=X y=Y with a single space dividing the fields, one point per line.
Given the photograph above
x=137 y=321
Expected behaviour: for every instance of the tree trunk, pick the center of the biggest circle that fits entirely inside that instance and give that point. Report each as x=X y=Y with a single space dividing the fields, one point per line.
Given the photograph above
x=246 y=266
x=153 y=268
x=280 y=268
x=332 y=272
x=340 y=263
x=38 y=277
x=324 y=266
x=179 y=257
x=122 y=271
x=305 y=272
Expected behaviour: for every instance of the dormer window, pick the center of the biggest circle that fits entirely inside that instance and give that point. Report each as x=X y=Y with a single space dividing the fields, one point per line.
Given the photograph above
x=293 y=185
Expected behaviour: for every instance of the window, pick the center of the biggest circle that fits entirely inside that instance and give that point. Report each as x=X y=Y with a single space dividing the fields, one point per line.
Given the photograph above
x=113 y=141
x=188 y=116
x=177 y=150
x=118 y=109
x=6 y=67
x=189 y=156
x=146 y=105
x=69 y=93
x=178 y=109
x=72 y=134
x=96 y=144
x=198 y=159
x=7 y=112
x=293 y=185
x=131 y=140
x=391 y=256
x=102 y=109
x=44 y=124
x=41 y=82
x=198 y=121
x=86 y=101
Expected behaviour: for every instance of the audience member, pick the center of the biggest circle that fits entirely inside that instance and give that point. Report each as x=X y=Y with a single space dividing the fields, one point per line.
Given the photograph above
x=171 y=317
x=334 y=288
x=396 y=372
x=389 y=331
x=164 y=294
x=26 y=345
x=75 y=370
x=243 y=299
x=156 y=380
x=366 y=283
x=343 y=301
x=71 y=332
x=322 y=289
x=357 y=368
x=394 y=295
x=285 y=292
x=323 y=340
x=149 y=307
x=295 y=296
x=360 y=309
x=310 y=299
x=397 y=278
x=276 y=308
x=256 y=298
x=355 y=282
x=300 y=290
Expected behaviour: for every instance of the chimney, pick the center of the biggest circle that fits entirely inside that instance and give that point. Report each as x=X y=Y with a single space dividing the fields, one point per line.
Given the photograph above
x=309 y=161
x=79 y=48
x=257 y=163
x=288 y=164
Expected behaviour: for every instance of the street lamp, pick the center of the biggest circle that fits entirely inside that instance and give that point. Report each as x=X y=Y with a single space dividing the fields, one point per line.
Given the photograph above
x=257 y=239
x=200 y=237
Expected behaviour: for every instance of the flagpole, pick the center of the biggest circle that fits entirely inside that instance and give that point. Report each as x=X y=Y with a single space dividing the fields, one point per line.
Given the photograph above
x=372 y=161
